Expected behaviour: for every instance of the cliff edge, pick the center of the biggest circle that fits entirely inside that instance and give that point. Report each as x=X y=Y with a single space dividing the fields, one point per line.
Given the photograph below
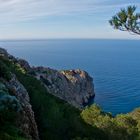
x=74 y=86
x=15 y=99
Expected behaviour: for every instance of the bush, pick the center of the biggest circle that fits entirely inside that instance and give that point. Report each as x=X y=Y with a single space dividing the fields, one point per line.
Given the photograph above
x=9 y=111
x=4 y=71
x=9 y=103
x=122 y=127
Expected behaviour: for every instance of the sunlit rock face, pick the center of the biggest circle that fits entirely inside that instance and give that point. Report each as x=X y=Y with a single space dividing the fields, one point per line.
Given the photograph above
x=74 y=86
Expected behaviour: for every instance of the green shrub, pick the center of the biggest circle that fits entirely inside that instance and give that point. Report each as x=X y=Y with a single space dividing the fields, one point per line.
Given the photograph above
x=8 y=102
x=9 y=108
x=122 y=127
x=4 y=71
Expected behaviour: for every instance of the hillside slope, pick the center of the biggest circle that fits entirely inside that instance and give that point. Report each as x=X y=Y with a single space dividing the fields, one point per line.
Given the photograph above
x=29 y=111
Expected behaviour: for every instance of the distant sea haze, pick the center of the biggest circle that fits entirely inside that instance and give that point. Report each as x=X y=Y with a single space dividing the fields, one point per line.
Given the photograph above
x=113 y=64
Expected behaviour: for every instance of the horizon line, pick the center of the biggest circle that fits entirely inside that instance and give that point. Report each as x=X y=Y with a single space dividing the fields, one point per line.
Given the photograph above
x=37 y=39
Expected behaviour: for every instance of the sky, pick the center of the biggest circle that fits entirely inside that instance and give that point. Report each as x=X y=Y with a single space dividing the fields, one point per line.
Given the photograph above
x=45 y=19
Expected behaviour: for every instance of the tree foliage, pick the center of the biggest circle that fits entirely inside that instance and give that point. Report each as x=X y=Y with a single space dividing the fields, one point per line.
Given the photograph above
x=4 y=71
x=9 y=110
x=127 y=20
x=122 y=126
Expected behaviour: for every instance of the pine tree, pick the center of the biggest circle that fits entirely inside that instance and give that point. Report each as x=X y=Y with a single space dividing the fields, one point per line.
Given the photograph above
x=127 y=20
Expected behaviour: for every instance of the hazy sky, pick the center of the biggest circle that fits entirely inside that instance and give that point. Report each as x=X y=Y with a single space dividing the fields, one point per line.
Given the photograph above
x=27 y=19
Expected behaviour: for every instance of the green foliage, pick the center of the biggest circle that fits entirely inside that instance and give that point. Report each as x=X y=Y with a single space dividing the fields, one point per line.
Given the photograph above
x=127 y=20
x=9 y=108
x=3 y=89
x=56 y=119
x=6 y=136
x=9 y=131
x=19 y=68
x=8 y=102
x=78 y=138
x=136 y=116
x=123 y=126
x=4 y=71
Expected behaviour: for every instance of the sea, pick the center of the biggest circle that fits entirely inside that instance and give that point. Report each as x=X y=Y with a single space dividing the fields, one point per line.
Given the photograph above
x=113 y=64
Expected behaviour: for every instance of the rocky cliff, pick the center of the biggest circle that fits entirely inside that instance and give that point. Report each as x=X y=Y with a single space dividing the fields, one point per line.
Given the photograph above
x=74 y=86
x=26 y=121
x=16 y=93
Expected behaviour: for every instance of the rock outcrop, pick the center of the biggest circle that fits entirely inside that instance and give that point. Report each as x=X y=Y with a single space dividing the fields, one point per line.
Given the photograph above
x=24 y=64
x=74 y=86
x=26 y=120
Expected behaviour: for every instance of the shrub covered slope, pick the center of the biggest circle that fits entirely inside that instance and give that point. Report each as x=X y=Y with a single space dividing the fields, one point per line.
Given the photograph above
x=56 y=119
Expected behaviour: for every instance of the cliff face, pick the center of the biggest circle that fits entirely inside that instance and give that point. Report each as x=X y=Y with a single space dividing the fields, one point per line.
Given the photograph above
x=74 y=86
x=26 y=119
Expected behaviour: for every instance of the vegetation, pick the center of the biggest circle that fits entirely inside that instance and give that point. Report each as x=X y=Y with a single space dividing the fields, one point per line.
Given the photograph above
x=127 y=20
x=57 y=119
x=9 y=110
x=122 y=126
x=4 y=71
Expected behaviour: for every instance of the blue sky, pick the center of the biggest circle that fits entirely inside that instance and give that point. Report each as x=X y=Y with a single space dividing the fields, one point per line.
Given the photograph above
x=31 y=19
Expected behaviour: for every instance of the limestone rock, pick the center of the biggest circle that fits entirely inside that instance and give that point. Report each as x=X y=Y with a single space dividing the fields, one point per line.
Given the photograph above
x=74 y=86
x=27 y=119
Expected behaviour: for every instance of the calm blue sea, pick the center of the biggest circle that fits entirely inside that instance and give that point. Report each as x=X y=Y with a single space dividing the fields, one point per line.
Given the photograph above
x=114 y=65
